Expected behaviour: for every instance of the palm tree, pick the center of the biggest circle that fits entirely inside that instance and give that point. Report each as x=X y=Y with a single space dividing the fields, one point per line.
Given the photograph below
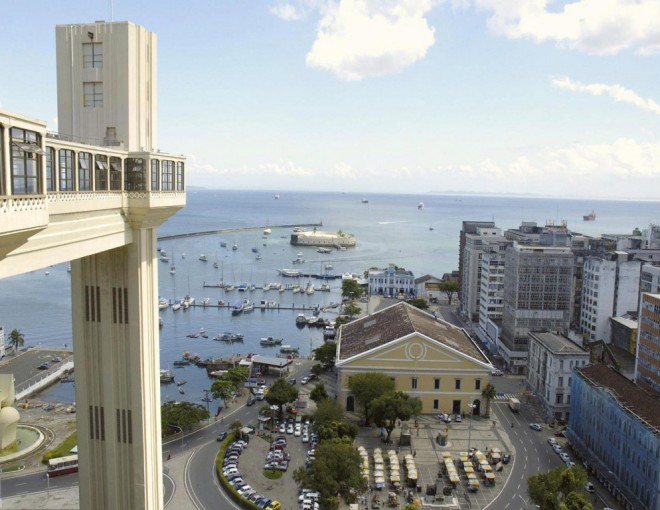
x=16 y=340
x=488 y=394
x=235 y=428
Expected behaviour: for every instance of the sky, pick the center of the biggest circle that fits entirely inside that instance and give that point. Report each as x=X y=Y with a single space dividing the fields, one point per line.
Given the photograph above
x=544 y=97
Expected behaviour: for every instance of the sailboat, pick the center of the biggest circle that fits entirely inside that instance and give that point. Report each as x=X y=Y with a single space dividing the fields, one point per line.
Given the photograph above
x=202 y=257
x=215 y=262
x=173 y=266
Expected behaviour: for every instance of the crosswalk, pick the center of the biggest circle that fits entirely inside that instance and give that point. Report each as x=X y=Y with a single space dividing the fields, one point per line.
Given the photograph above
x=504 y=397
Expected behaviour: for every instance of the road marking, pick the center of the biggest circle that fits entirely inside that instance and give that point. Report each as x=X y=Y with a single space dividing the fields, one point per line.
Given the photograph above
x=19 y=484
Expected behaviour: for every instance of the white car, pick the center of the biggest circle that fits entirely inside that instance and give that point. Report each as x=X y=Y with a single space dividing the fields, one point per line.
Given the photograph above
x=497 y=372
x=289 y=428
x=535 y=426
x=305 y=438
x=552 y=440
x=304 y=380
x=565 y=457
x=557 y=448
x=297 y=431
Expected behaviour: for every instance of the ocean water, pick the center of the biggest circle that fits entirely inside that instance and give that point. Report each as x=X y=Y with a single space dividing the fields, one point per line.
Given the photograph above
x=389 y=229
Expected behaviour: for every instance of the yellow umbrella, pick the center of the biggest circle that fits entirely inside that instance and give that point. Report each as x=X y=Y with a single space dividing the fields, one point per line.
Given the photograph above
x=468 y=469
x=474 y=482
x=446 y=455
x=490 y=476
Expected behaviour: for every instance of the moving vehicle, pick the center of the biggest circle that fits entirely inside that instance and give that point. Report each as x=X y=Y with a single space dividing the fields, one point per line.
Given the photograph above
x=221 y=437
x=514 y=405
x=62 y=466
x=537 y=427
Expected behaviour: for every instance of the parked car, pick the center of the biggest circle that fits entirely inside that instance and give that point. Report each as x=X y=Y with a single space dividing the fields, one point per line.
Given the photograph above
x=221 y=437
x=506 y=458
x=56 y=359
x=289 y=428
x=458 y=418
x=589 y=487
x=250 y=402
x=304 y=380
x=552 y=440
x=292 y=381
x=565 y=457
x=557 y=448
x=560 y=433
x=497 y=373
x=535 y=426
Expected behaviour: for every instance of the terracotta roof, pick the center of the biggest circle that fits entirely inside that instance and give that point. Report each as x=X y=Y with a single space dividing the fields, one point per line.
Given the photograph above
x=397 y=321
x=638 y=401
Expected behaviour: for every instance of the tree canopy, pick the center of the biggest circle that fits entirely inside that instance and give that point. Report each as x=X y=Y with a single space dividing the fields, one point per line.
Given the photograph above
x=318 y=393
x=449 y=287
x=393 y=406
x=16 y=339
x=336 y=470
x=183 y=415
x=326 y=353
x=337 y=430
x=367 y=387
x=420 y=303
x=488 y=394
x=351 y=309
x=558 y=489
x=281 y=392
x=351 y=289
x=223 y=388
x=328 y=411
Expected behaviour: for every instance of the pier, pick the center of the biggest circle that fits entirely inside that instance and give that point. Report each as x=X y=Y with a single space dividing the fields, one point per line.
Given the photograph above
x=238 y=229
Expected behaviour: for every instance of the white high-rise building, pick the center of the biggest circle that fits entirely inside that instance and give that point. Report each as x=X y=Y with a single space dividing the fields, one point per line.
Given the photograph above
x=610 y=288
x=471 y=283
x=491 y=295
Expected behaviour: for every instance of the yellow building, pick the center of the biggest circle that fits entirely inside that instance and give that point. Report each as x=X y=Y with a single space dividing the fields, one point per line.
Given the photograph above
x=426 y=357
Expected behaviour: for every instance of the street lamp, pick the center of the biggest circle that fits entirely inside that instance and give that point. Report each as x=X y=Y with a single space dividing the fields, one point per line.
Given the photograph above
x=181 y=429
x=471 y=406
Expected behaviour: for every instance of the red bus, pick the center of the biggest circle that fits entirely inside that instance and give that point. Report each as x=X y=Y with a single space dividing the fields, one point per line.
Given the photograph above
x=62 y=465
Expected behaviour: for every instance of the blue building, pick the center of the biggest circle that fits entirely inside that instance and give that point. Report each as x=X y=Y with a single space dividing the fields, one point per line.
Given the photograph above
x=615 y=428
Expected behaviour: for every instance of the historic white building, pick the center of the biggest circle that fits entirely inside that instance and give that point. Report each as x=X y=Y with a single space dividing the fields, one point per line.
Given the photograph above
x=552 y=358
x=392 y=282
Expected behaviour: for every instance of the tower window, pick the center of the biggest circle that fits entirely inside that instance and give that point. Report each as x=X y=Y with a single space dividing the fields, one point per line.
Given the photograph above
x=93 y=94
x=92 y=55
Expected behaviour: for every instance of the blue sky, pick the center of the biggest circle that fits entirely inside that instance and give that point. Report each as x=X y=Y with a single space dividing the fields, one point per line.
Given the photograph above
x=504 y=96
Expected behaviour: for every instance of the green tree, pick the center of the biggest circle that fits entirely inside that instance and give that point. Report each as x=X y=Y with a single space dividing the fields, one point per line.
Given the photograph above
x=319 y=393
x=16 y=340
x=337 y=430
x=328 y=411
x=327 y=353
x=351 y=309
x=559 y=486
x=351 y=289
x=393 y=406
x=488 y=394
x=420 y=303
x=223 y=388
x=449 y=287
x=317 y=369
x=235 y=428
x=335 y=471
x=181 y=415
x=237 y=375
x=281 y=392
x=367 y=387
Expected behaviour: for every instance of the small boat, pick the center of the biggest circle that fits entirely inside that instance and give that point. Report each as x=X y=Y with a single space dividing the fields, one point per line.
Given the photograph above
x=296 y=289
x=324 y=250
x=288 y=349
x=309 y=289
x=203 y=258
x=420 y=206
x=206 y=301
x=215 y=265
x=238 y=308
x=234 y=247
x=300 y=319
x=365 y=201
x=270 y=341
x=181 y=362
x=277 y=196
x=181 y=390
x=163 y=303
x=229 y=287
x=223 y=244
x=267 y=231
x=172 y=270
x=589 y=217
x=248 y=307
x=164 y=259
x=166 y=376
x=187 y=301
x=324 y=287
x=242 y=287
x=181 y=383
x=328 y=267
x=255 y=250
x=176 y=306
x=292 y=273
x=259 y=256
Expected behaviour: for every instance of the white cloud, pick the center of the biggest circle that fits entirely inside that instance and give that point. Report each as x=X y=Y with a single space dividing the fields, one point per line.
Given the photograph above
x=343 y=170
x=625 y=168
x=360 y=38
x=616 y=92
x=593 y=26
x=294 y=10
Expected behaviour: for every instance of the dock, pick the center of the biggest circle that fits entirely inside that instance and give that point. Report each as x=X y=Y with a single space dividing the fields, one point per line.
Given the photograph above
x=238 y=229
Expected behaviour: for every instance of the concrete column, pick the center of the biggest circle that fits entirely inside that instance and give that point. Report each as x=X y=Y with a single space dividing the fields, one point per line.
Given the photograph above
x=117 y=363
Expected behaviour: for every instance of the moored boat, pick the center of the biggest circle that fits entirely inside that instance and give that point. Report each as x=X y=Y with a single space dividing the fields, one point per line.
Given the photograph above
x=288 y=349
x=270 y=341
x=589 y=217
x=166 y=376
